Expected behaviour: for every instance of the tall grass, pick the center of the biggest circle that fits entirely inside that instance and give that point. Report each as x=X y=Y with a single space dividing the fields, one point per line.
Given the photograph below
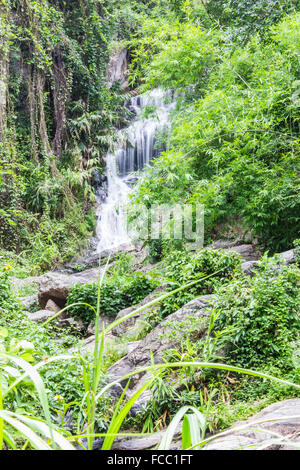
x=43 y=435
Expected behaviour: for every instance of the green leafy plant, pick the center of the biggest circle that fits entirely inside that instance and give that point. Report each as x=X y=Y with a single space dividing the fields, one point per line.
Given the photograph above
x=116 y=294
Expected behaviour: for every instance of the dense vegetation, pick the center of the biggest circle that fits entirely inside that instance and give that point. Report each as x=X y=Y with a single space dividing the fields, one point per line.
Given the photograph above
x=57 y=119
x=233 y=147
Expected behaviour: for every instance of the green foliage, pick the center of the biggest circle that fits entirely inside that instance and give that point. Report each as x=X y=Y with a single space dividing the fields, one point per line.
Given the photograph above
x=297 y=250
x=59 y=118
x=245 y=17
x=116 y=294
x=182 y=268
x=234 y=145
x=265 y=314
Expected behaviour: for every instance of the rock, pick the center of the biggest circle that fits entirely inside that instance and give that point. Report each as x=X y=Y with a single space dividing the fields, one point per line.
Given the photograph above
x=103 y=322
x=158 y=339
x=132 y=346
x=75 y=326
x=138 y=443
x=137 y=321
x=288 y=428
x=18 y=284
x=90 y=258
x=57 y=286
x=225 y=244
x=249 y=267
x=52 y=307
x=40 y=316
x=248 y=252
x=29 y=302
x=148 y=442
x=289 y=257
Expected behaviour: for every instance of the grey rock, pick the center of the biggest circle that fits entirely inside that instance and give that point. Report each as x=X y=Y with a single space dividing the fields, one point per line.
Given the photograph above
x=103 y=322
x=138 y=443
x=158 y=339
x=226 y=244
x=137 y=321
x=247 y=252
x=40 y=316
x=18 y=284
x=289 y=257
x=52 y=306
x=249 y=267
x=259 y=436
x=148 y=442
x=117 y=68
x=29 y=302
x=57 y=286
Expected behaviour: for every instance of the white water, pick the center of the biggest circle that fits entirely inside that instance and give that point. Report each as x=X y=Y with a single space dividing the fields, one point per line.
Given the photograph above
x=135 y=150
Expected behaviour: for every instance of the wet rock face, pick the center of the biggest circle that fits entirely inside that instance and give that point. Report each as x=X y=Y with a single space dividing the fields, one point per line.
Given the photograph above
x=280 y=419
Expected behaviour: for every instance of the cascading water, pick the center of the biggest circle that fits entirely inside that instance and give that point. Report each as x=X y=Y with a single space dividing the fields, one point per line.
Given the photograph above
x=138 y=146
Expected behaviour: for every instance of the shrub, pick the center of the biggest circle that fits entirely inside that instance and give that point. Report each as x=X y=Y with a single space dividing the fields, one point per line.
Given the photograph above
x=265 y=312
x=116 y=294
x=182 y=268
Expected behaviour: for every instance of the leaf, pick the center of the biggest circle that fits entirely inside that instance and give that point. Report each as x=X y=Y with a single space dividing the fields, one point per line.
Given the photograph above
x=4 y=333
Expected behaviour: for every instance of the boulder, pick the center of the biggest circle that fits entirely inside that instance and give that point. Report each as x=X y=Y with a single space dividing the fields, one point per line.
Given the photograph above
x=262 y=439
x=136 y=323
x=158 y=340
x=226 y=244
x=249 y=267
x=90 y=257
x=29 y=302
x=41 y=316
x=56 y=286
x=118 y=67
x=248 y=252
x=138 y=443
x=52 y=306
x=260 y=436
x=289 y=257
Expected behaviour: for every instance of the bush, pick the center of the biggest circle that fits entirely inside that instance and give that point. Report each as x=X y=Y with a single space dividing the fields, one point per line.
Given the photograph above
x=235 y=148
x=116 y=294
x=183 y=267
x=265 y=312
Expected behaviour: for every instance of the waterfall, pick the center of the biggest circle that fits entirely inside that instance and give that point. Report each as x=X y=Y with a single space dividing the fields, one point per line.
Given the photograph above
x=137 y=146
